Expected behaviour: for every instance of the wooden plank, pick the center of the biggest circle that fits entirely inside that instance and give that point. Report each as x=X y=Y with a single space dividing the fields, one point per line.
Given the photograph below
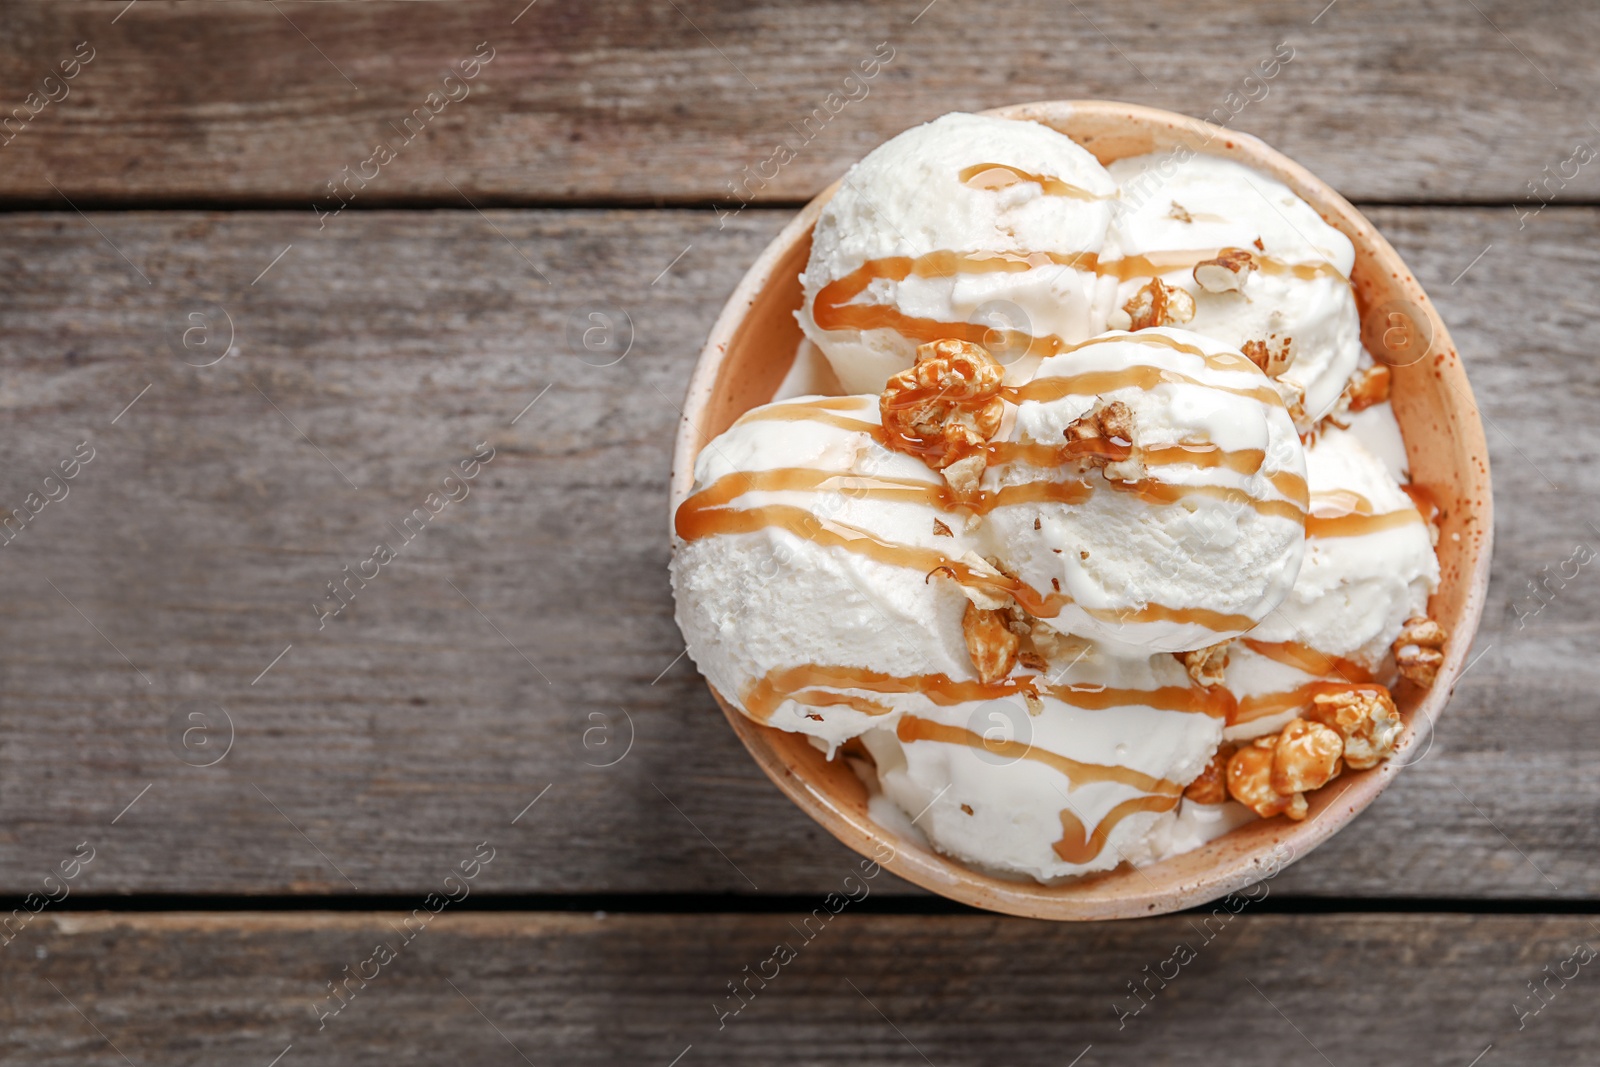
x=489 y=660
x=865 y=989
x=637 y=101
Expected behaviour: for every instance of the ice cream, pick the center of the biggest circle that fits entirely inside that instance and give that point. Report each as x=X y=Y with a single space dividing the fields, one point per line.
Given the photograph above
x=1079 y=596
x=1185 y=537
x=1284 y=294
x=1089 y=777
x=820 y=588
x=802 y=570
x=1369 y=565
x=974 y=227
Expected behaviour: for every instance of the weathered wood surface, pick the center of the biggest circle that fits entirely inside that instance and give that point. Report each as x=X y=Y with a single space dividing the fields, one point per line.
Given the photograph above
x=651 y=102
x=1352 y=990
x=514 y=640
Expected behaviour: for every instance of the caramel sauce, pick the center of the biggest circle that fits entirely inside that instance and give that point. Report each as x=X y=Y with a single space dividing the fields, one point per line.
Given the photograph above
x=788 y=683
x=1205 y=454
x=725 y=490
x=1342 y=513
x=1166 y=493
x=1292 y=486
x=1156 y=263
x=1307 y=659
x=1077 y=845
x=826 y=410
x=832 y=309
x=1100 y=382
x=708 y=513
x=1077 y=772
x=1211 y=620
x=1047 y=454
x=997 y=176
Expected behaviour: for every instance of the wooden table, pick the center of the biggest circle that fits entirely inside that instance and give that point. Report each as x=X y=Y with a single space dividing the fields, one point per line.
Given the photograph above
x=269 y=389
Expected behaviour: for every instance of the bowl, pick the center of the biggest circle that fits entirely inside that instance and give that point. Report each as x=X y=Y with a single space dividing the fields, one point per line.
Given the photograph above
x=751 y=348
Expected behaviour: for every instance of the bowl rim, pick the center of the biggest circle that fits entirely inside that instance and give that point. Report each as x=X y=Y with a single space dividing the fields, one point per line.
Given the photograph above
x=1266 y=845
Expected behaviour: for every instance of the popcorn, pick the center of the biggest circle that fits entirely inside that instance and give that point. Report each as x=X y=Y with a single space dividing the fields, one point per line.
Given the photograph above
x=1104 y=434
x=990 y=642
x=1365 y=718
x=1227 y=273
x=1418 y=650
x=1157 y=304
x=1250 y=782
x=1211 y=787
x=1368 y=387
x=1305 y=757
x=945 y=408
x=1206 y=665
x=1272 y=361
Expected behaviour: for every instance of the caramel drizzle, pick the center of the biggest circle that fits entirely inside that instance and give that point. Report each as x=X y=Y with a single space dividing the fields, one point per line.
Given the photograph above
x=1308 y=659
x=1079 y=846
x=833 y=308
x=1342 y=513
x=1155 y=263
x=708 y=513
x=997 y=176
x=1078 y=773
x=1144 y=377
x=809 y=684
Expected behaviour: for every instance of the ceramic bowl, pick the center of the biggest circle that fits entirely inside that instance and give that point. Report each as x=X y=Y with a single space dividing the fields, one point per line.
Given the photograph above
x=752 y=346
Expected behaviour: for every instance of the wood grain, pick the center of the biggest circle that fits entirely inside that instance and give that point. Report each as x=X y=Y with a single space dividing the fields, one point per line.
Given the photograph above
x=511 y=644
x=634 y=101
x=1352 y=990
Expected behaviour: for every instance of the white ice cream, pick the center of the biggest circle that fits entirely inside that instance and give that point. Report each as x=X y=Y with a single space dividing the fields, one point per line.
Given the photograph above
x=1000 y=787
x=785 y=598
x=1172 y=550
x=1206 y=204
x=1032 y=202
x=1369 y=563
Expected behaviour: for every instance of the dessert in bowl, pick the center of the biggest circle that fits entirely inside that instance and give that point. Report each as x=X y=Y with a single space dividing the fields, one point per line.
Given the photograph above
x=1084 y=502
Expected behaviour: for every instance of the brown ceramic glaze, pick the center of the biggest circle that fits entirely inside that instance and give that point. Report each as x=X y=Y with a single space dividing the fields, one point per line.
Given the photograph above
x=753 y=344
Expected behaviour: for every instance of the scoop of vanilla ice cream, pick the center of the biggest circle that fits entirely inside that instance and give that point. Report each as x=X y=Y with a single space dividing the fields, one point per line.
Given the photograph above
x=1089 y=780
x=1369 y=565
x=1193 y=538
x=802 y=556
x=1171 y=211
x=968 y=226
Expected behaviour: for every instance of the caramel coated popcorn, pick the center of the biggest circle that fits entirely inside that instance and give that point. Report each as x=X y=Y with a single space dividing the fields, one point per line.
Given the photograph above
x=990 y=642
x=1211 y=787
x=945 y=408
x=1367 y=387
x=1272 y=356
x=1205 y=665
x=1103 y=437
x=1305 y=757
x=1419 y=650
x=1227 y=273
x=1158 y=304
x=1250 y=782
x=1366 y=719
